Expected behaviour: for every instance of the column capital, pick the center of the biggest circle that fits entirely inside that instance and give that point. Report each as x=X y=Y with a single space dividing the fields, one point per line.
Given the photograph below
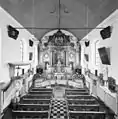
x=77 y=50
x=36 y=42
x=2 y=85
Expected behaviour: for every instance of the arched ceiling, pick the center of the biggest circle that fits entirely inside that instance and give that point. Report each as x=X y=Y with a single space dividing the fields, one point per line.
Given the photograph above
x=73 y=14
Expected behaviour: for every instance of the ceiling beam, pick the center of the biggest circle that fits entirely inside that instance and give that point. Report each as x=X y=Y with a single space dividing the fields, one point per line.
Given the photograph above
x=81 y=28
x=59 y=15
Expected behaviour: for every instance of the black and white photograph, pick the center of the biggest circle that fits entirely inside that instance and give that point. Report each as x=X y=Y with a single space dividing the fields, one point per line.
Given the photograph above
x=58 y=59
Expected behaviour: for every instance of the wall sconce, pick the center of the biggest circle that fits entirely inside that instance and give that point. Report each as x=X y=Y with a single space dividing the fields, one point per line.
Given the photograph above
x=53 y=10
x=61 y=6
x=65 y=9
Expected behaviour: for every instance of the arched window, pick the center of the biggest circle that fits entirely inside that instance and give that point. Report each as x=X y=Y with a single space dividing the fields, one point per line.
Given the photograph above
x=97 y=57
x=22 y=50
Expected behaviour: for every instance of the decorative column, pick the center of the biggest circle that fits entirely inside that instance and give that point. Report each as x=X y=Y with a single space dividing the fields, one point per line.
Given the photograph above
x=65 y=57
x=77 y=56
x=36 y=52
x=52 y=58
x=0 y=101
x=38 y=49
x=2 y=85
x=117 y=100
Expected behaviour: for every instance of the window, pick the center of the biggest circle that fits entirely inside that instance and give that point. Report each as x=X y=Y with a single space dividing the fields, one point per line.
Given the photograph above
x=46 y=57
x=22 y=49
x=97 y=57
x=30 y=56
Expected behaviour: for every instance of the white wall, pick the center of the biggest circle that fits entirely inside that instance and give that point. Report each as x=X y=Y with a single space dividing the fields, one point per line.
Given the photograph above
x=0 y=51
x=110 y=99
x=111 y=42
x=10 y=48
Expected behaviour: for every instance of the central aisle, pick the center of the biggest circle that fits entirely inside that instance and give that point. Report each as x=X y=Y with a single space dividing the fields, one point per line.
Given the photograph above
x=59 y=92
x=58 y=109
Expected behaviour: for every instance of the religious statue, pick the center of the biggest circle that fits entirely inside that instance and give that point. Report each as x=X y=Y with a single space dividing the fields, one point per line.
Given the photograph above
x=59 y=65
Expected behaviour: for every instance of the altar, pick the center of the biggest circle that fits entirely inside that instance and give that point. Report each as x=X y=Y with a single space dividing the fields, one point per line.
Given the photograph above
x=59 y=70
x=59 y=76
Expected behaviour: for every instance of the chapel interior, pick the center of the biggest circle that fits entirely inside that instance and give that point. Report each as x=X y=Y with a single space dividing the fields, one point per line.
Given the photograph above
x=58 y=59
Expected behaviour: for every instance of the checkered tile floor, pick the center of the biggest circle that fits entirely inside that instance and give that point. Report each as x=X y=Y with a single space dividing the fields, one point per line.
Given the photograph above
x=58 y=109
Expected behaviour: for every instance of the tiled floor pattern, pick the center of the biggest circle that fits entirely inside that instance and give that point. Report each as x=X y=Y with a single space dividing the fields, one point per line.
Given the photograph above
x=58 y=109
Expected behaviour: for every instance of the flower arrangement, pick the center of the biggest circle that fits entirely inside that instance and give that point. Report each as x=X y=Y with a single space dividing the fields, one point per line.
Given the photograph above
x=111 y=84
x=101 y=79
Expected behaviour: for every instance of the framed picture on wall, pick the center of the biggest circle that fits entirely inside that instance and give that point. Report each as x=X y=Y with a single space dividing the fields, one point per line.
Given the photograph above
x=104 y=55
x=86 y=57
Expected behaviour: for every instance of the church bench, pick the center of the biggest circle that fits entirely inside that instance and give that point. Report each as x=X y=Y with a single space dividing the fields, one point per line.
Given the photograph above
x=40 y=92
x=38 y=96
x=86 y=115
x=76 y=90
x=77 y=93
x=84 y=107
x=33 y=107
x=42 y=89
x=73 y=102
x=30 y=114
x=35 y=101
x=79 y=97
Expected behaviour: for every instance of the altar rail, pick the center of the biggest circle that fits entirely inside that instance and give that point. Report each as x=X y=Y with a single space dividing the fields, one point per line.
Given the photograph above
x=44 y=83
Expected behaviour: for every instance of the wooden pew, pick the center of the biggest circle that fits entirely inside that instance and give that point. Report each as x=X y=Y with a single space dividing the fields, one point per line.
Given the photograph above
x=80 y=97
x=82 y=107
x=35 y=101
x=38 y=96
x=33 y=107
x=40 y=92
x=30 y=114
x=86 y=115
x=76 y=93
x=81 y=100
x=74 y=102
x=42 y=89
x=77 y=90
